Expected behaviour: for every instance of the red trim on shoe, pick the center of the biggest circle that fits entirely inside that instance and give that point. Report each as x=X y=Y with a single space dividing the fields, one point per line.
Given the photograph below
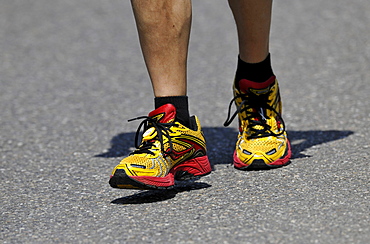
x=168 y=111
x=238 y=163
x=197 y=166
x=245 y=85
x=284 y=160
x=279 y=162
x=166 y=181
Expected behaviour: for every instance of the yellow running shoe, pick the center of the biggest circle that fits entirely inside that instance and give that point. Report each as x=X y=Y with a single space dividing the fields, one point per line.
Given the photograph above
x=168 y=151
x=262 y=141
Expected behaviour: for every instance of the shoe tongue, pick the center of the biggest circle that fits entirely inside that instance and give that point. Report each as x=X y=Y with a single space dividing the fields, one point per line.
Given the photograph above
x=164 y=114
x=246 y=86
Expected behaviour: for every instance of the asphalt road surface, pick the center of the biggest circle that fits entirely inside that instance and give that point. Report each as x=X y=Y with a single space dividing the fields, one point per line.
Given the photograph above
x=72 y=74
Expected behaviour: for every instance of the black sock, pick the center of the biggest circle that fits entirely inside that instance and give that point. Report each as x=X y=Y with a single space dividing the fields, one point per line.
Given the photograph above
x=181 y=105
x=257 y=72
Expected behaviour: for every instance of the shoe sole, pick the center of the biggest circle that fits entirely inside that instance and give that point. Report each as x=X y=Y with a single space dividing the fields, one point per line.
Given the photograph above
x=188 y=170
x=259 y=164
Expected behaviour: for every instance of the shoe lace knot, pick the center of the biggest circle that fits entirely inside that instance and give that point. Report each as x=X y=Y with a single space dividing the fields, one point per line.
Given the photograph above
x=152 y=131
x=254 y=107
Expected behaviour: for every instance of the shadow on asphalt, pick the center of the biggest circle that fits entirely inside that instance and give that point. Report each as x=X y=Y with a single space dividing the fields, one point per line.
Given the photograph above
x=152 y=196
x=221 y=143
x=302 y=140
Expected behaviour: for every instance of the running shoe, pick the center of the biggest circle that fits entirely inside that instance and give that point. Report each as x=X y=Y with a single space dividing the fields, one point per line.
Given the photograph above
x=168 y=151
x=262 y=140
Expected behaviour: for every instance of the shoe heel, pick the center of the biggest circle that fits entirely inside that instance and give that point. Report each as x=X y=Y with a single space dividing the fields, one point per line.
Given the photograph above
x=198 y=166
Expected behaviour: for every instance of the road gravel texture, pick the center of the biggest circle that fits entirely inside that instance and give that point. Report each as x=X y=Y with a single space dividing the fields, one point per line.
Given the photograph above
x=72 y=74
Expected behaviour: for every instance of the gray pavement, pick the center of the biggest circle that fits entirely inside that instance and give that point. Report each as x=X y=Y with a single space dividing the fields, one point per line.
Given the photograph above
x=71 y=74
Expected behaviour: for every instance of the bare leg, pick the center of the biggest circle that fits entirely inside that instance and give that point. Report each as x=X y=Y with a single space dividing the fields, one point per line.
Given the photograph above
x=164 y=30
x=253 y=20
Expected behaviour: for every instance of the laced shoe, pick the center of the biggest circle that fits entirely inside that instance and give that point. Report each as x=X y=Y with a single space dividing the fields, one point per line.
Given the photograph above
x=168 y=151
x=262 y=140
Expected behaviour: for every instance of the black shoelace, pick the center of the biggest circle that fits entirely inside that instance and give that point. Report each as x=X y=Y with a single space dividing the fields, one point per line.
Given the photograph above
x=253 y=105
x=162 y=129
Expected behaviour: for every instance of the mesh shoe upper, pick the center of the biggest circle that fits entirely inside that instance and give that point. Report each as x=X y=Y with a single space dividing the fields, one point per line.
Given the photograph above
x=262 y=130
x=165 y=143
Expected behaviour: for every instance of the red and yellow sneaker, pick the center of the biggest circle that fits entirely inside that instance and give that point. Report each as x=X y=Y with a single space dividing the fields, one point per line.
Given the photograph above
x=262 y=141
x=168 y=151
